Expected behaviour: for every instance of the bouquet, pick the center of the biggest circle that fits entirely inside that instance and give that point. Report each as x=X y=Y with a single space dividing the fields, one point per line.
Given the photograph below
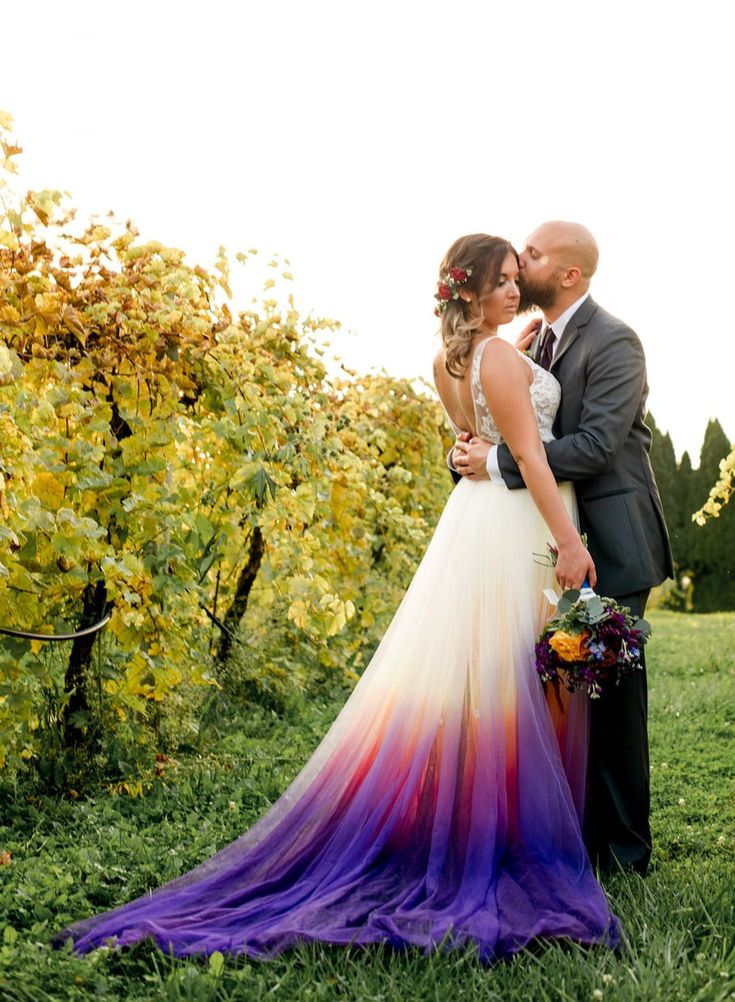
x=590 y=643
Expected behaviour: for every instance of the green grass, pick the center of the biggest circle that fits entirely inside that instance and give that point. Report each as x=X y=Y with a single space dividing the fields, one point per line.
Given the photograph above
x=71 y=857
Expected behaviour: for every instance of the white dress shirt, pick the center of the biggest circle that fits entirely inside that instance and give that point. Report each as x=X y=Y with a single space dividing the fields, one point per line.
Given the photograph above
x=491 y=463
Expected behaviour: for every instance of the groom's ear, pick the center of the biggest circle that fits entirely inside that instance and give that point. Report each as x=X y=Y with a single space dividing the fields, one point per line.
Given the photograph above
x=570 y=277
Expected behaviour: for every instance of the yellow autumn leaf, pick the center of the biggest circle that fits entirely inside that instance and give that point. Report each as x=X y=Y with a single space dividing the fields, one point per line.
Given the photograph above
x=6 y=120
x=6 y=365
x=8 y=313
x=49 y=306
x=133 y=789
x=49 y=490
x=336 y=623
x=73 y=323
x=297 y=612
x=125 y=632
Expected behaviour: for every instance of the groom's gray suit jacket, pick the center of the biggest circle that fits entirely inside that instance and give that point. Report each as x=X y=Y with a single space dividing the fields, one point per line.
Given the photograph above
x=602 y=445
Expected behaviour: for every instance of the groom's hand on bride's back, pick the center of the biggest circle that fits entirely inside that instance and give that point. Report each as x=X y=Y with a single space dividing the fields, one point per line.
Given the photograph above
x=469 y=457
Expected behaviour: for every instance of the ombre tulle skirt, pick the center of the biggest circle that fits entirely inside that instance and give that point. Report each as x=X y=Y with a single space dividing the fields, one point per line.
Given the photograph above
x=443 y=806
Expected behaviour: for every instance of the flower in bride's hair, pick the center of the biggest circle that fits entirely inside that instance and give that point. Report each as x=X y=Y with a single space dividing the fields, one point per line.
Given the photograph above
x=449 y=286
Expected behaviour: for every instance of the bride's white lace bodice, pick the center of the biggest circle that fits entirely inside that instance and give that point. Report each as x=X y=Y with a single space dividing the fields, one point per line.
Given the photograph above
x=545 y=396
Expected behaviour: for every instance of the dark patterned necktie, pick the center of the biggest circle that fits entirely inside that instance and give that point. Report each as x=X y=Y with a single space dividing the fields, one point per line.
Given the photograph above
x=547 y=349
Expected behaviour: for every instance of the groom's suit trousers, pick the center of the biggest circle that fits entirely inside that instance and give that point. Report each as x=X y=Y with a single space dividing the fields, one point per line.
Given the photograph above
x=616 y=826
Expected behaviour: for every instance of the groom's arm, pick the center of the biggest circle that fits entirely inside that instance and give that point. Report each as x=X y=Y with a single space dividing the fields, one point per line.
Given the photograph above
x=456 y=477
x=614 y=385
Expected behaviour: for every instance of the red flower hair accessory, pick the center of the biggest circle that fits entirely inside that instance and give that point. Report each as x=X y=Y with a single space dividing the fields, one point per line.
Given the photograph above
x=449 y=286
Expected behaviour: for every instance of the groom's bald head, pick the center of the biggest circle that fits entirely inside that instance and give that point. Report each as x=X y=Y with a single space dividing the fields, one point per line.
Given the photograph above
x=557 y=263
x=572 y=244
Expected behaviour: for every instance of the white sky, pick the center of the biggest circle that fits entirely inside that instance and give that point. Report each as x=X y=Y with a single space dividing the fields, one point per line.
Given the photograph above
x=359 y=139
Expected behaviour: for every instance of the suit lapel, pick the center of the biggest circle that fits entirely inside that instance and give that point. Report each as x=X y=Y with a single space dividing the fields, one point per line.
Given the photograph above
x=573 y=329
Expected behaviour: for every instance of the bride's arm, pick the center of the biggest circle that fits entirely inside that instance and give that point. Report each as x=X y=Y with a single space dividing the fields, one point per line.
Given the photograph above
x=504 y=377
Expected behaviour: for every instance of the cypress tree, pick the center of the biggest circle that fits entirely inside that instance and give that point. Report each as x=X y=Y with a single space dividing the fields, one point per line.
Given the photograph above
x=669 y=480
x=663 y=461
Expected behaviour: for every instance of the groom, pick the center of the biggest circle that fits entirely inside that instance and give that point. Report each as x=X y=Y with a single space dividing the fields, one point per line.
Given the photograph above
x=602 y=445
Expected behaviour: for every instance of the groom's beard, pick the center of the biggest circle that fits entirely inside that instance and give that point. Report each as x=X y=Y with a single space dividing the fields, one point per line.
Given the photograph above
x=536 y=295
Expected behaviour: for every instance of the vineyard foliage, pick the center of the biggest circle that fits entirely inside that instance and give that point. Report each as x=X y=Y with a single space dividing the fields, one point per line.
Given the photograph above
x=162 y=454
x=720 y=492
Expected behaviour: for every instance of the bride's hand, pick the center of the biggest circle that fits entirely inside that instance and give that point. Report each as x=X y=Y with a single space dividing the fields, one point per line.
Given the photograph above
x=574 y=564
x=462 y=438
x=470 y=457
x=528 y=333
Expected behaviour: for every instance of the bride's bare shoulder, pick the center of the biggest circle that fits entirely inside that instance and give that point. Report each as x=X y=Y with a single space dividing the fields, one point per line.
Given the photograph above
x=502 y=358
x=499 y=345
x=498 y=351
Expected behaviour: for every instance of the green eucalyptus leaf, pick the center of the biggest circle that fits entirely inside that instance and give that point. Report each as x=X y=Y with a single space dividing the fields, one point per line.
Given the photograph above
x=565 y=604
x=596 y=605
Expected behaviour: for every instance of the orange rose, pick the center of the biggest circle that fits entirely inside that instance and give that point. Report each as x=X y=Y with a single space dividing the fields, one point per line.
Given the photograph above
x=569 y=646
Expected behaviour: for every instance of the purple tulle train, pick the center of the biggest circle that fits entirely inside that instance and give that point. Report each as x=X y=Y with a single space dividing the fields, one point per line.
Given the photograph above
x=443 y=805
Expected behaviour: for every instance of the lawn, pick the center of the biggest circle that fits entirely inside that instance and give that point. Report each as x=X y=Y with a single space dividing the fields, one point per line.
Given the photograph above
x=71 y=856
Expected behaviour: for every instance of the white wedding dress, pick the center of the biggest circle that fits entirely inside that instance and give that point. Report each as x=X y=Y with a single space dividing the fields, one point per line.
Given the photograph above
x=437 y=811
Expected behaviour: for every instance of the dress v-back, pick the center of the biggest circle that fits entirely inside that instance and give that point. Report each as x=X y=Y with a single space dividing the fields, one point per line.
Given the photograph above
x=438 y=810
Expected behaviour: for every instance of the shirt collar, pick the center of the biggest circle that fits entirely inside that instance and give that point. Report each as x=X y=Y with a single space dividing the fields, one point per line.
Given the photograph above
x=561 y=322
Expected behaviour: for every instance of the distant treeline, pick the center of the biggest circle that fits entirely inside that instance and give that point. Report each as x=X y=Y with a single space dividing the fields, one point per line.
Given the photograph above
x=704 y=555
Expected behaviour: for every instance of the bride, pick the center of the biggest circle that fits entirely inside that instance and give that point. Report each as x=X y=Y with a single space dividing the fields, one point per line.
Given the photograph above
x=443 y=806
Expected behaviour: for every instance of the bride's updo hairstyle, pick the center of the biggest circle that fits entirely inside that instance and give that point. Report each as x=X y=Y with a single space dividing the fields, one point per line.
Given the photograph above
x=481 y=257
